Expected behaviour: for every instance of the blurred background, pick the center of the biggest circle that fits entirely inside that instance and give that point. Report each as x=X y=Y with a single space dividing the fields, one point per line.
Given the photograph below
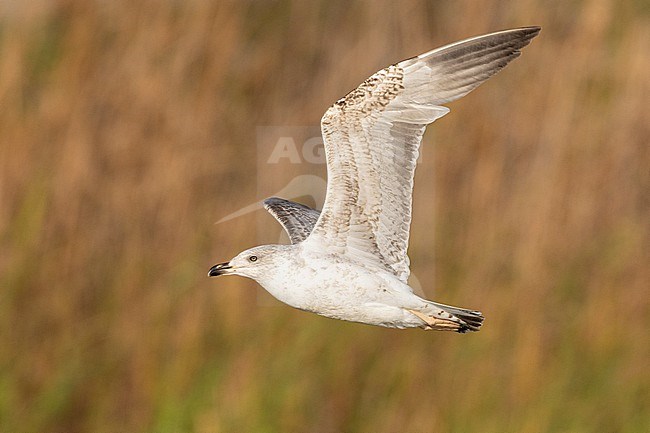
x=128 y=128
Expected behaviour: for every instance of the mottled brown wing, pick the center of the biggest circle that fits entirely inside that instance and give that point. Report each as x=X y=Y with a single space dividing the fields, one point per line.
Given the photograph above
x=372 y=137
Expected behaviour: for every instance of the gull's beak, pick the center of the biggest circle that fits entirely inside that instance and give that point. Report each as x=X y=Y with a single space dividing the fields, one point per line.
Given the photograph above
x=219 y=269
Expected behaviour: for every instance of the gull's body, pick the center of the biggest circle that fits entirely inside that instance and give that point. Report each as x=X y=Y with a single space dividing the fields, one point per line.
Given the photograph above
x=350 y=261
x=354 y=292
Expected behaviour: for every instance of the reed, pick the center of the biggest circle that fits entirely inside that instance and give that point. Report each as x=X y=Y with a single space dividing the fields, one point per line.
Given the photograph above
x=128 y=128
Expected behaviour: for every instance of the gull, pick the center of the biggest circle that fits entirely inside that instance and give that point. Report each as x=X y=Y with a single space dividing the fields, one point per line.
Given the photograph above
x=350 y=261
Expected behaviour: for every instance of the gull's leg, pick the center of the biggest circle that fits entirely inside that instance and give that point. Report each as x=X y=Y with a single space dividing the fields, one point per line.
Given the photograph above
x=434 y=323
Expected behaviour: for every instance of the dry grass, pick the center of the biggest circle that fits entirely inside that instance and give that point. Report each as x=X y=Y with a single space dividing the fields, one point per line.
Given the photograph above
x=128 y=128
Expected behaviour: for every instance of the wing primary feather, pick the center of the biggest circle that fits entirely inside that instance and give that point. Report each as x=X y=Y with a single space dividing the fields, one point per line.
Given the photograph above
x=297 y=219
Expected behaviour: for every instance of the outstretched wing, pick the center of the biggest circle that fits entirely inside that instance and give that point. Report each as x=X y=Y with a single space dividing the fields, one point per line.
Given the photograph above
x=297 y=219
x=372 y=137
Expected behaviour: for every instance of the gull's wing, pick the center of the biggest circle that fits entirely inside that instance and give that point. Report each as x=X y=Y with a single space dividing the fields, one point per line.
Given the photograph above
x=297 y=219
x=372 y=137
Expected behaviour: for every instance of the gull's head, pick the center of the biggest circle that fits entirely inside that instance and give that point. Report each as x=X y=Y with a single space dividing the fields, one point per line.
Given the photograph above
x=252 y=263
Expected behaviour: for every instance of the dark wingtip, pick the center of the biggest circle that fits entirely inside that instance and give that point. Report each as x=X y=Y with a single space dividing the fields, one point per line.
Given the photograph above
x=531 y=32
x=535 y=29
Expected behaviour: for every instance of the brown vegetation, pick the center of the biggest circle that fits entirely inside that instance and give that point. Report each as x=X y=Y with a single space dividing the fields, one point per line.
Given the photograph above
x=128 y=128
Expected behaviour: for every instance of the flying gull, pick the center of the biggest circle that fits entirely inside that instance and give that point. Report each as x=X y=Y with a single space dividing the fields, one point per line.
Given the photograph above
x=350 y=261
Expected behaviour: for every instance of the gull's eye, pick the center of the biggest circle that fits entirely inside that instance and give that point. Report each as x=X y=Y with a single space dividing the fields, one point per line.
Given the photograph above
x=252 y=258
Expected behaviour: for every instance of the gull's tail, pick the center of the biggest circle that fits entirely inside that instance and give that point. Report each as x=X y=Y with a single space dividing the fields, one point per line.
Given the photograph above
x=443 y=317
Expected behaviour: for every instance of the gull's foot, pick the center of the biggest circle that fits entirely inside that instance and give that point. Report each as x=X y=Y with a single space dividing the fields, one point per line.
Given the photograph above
x=434 y=323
